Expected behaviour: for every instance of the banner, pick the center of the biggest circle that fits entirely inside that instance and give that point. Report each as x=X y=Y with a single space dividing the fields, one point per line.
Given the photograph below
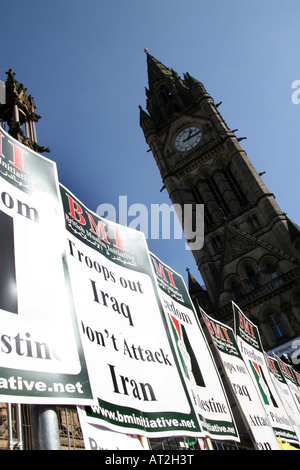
x=100 y=438
x=242 y=384
x=250 y=346
x=285 y=382
x=130 y=360
x=41 y=357
x=194 y=356
x=297 y=379
x=291 y=349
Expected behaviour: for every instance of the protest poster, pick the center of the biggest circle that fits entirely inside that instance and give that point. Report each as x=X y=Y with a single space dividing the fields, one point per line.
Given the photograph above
x=250 y=346
x=131 y=364
x=101 y=438
x=297 y=379
x=41 y=357
x=285 y=382
x=194 y=355
x=243 y=388
x=289 y=348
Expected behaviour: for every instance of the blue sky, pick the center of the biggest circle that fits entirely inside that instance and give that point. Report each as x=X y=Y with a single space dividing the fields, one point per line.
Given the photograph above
x=85 y=66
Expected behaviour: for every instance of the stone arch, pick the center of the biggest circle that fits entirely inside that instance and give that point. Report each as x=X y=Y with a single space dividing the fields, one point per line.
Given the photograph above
x=295 y=303
x=248 y=270
x=233 y=286
x=273 y=324
x=188 y=181
x=243 y=263
x=219 y=162
x=203 y=172
x=269 y=267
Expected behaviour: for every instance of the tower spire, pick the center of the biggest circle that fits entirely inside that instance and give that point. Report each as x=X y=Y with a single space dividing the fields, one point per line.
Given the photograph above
x=156 y=71
x=168 y=95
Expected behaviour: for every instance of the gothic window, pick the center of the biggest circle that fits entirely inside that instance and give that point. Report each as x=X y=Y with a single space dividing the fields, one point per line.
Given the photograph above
x=236 y=290
x=223 y=196
x=235 y=187
x=165 y=95
x=168 y=101
x=216 y=243
x=222 y=204
x=252 y=277
x=276 y=326
x=199 y=200
x=272 y=271
x=226 y=191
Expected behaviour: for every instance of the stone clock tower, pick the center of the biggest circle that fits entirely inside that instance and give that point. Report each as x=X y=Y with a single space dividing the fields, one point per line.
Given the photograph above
x=251 y=251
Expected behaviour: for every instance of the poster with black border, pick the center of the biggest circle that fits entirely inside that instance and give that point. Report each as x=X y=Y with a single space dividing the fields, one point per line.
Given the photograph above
x=100 y=438
x=242 y=384
x=285 y=382
x=297 y=379
x=41 y=356
x=194 y=355
x=131 y=364
x=250 y=346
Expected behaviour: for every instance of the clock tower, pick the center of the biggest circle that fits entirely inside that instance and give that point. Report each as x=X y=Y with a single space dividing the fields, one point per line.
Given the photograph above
x=251 y=250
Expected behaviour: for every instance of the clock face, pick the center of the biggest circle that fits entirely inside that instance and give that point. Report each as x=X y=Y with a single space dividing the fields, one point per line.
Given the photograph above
x=188 y=138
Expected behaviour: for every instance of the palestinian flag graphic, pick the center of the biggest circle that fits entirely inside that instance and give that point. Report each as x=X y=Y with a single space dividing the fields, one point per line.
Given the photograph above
x=263 y=386
x=187 y=356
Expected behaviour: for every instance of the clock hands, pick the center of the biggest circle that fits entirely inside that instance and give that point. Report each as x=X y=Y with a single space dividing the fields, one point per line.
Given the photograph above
x=190 y=136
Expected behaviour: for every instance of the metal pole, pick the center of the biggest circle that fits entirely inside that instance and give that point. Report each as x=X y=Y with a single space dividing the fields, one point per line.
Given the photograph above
x=68 y=431
x=144 y=441
x=44 y=420
x=19 y=427
x=45 y=428
x=10 y=427
x=209 y=443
